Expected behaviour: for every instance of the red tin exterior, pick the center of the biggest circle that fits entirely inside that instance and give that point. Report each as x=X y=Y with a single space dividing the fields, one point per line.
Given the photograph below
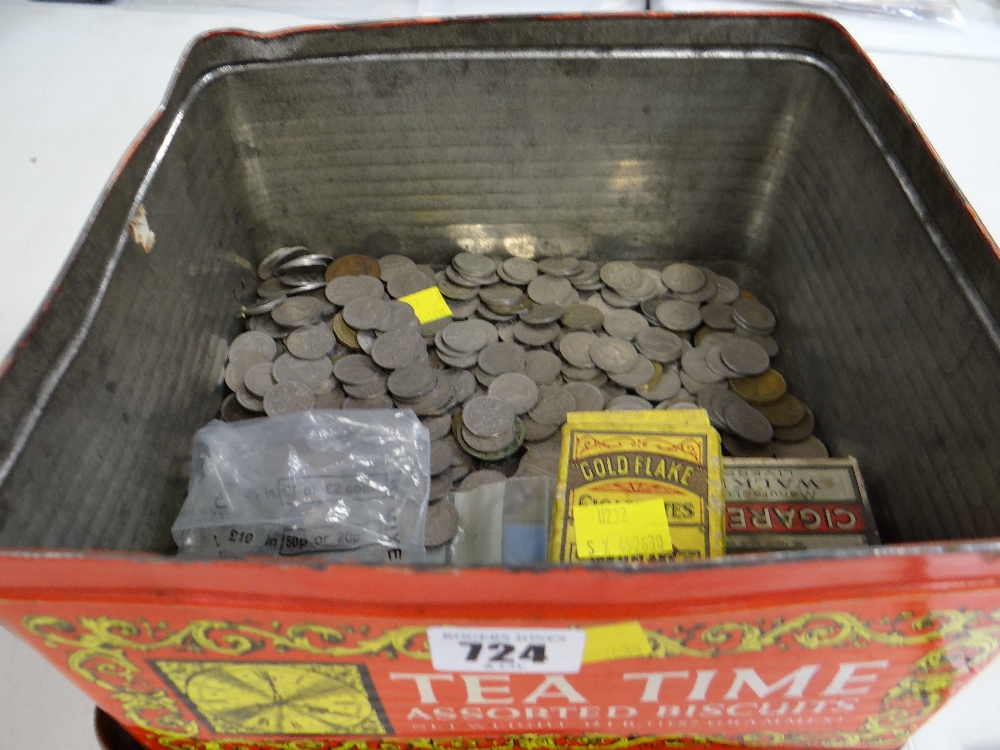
x=848 y=652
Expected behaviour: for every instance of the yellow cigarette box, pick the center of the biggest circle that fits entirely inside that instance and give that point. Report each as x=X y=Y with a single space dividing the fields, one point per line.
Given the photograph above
x=614 y=463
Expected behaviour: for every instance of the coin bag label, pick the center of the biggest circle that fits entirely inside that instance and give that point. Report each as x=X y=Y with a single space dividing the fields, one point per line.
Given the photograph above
x=525 y=650
x=428 y=304
x=626 y=640
x=609 y=530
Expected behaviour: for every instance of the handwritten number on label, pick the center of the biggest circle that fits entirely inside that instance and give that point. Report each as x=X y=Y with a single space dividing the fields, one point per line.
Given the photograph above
x=501 y=652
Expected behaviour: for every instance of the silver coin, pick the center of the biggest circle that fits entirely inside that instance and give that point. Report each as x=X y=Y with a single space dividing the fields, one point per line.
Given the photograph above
x=575 y=348
x=536 y=335
x=741 y=448
x=698 y=296
x=501 y=294
x=487 y=416
x=463 y=310
x=376 y=387
x=307 y=262
x=441 y=456
x=481 y=478
x=582 y=317
x=753 y=316
x=288 y=397
x=668 y=386
x=237 y=368
x=624 y=324
x=409 y=282
x=233 y=411
x=767 y=343
x=356 y=369
x=400 y=317
x=474 y=264
x=744 y=357
x=581 y=373
x=455 y=276
x=542 y=314
x=535 y=432
x=393 y=265
x=249 y=401
x=588 y=272
x=258 y=379
x=811 y=447
x=311 y=342
x=484 y=379
x=379 y=401
x=412 y=382
x=441 y=485
x=640 y=373
x=437 y=427
x=272 y=260
x=613 y=355
x=265 y=306
x=455 y=291
x=628 y=403
x=676 y=315
x=375 y=286
x=518 y=390
x=554 y=403
x=539 y=461
x=302 y=283
x=562 y=266
x=747 y=422
x=264 y=324
x=615 y=301
x=693 y=364
x=647 y=289
x=695 y=386
x=713 y=358
x=718 y=316
x=366 y=340
x=714 y=399
x=683 y=278
x=520 y=270
x=253 y=341
x=587 y=396
x=469 y=336
x=621 y=275
x=659 y=345
x=333 y=399
x=549 y=290
x=502 y=357
x=397 y=349
x=489 y=446
x=541 y=366
x=272 y=288
x=345 y=289
x=484 y=312
x=464 y=383
x=727 y=291
x=365 y=313
x=295 y=312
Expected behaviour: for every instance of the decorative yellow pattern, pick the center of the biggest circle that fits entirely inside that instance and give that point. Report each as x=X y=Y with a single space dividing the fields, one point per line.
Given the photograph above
x=590 y=443
x=257 y=698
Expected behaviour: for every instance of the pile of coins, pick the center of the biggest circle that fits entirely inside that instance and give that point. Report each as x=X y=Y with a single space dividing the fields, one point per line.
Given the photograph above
x=527 y=342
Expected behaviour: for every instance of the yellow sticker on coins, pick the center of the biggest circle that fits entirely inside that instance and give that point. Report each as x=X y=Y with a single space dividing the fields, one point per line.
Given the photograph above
x=428 y=304
x=617 y=530
x=624 y=640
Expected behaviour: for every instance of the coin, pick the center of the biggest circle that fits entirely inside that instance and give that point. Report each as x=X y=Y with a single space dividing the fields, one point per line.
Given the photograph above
x=253 y=341
x=236 y=370
x=753 y=316
x=760 y=389
x=798 y=431
x=487 y=416
x=474 y=264
x=693 y=363
x=676 y=315
x=296 y=311
x=641 y=373
x=311 y=342
x=586 y=396
x=718 y=316
x=811 y=447
x=333 y=399
x=353 y=265
x=441 y=457
x=554 y=403
x=519 y=270
x=481 y=478
x=501 y=294
x=437 y=427
x=305 y=263
x=741 y=448
x=548 y=290
x=344 y=289
x=619 y=275
x=464 y=383
x=744 y=357
x=613 y=355
x=536 y=335
x=659 y=345
x=767 y=343
x=412 y=382
x=683 y=278
x=541 y=366
x=365 y=313
x=288 y=397
x=575 y=348
x=272 y=260
x=581 y=317
x=562 y=266
x=727 y=291
x=624 y=324
x=397 y=349
x=378 y=401
x=409 y=282
x=233 y=411
x=438 y=401
x=356 y=369
x=502 y=357
x=345 y=335
x=469 y=336
x=628 y=403
x=665 y=387
x=258 y=379
x=713 y=358
x=747 y=422
x=249 y=401
x=518 y=390
x=786 y=411
x=393 y=264
x=374 y=387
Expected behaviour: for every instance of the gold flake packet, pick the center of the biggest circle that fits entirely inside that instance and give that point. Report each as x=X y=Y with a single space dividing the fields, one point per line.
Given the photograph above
x=623 y=460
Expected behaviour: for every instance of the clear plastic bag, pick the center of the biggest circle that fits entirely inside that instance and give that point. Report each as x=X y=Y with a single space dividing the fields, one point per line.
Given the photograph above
x=347 y=485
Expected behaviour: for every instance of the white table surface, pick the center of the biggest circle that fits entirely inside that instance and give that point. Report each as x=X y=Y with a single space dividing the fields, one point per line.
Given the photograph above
x=78 y=82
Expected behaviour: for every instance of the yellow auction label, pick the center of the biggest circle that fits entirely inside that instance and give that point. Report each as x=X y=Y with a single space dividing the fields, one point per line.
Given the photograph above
x=610 y=530
x=623 y=640
x=428 y=304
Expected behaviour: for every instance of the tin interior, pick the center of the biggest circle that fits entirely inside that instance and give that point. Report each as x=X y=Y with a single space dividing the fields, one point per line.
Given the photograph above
x=757 y=159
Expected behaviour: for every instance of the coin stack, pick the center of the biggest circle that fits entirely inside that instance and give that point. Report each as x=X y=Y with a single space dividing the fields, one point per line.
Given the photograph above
x=527 y=342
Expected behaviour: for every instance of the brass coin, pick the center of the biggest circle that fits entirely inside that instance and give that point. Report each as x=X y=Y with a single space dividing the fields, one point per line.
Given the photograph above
x=799 y=431
x=787 y=411
x=353 y=265
x=701 y=333
x=344 y=333
x=760 y=389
